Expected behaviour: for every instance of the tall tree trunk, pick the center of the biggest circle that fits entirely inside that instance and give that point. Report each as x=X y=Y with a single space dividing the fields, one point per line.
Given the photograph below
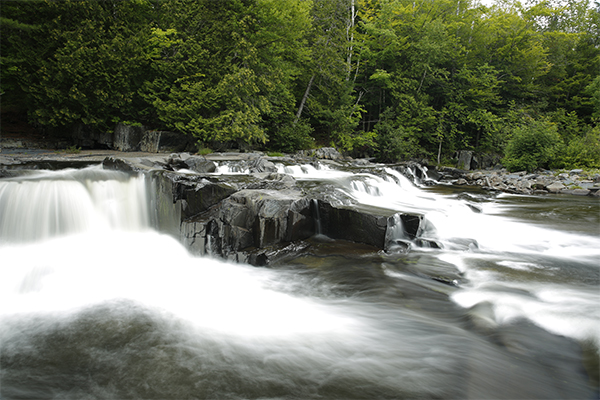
x=304 y=98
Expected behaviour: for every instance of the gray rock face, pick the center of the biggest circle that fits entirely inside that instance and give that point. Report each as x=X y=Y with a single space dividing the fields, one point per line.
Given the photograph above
x=128 y=138
x=464 y=160
x=150 y=142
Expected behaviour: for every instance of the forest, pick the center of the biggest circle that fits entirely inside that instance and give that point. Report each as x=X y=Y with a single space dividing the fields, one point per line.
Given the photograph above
x=389 y=79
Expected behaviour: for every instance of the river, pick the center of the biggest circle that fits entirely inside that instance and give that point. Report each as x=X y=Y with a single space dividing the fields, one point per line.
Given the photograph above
x=96 y=303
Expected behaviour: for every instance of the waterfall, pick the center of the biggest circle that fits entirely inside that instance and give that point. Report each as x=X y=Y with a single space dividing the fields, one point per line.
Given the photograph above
x=317 y=216
x=51 y=203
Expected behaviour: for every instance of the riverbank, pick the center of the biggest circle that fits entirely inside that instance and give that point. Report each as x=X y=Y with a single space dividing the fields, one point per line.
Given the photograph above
x=574 y=182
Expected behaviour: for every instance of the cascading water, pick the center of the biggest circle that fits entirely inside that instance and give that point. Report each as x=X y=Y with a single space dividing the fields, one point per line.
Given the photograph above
x=95 y=303
x=50 y=203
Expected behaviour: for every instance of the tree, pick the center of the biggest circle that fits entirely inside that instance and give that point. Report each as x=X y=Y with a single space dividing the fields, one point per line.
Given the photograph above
x=532 y=145
x=229 y=66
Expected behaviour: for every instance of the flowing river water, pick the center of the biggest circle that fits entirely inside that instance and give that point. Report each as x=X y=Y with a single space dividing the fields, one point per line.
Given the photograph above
x=96 y=303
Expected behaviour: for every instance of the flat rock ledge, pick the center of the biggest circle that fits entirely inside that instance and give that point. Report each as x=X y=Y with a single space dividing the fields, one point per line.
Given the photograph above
x=574 y=182
x=259 y=216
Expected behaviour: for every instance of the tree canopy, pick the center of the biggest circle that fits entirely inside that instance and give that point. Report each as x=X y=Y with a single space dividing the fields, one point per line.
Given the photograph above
x=391 y=79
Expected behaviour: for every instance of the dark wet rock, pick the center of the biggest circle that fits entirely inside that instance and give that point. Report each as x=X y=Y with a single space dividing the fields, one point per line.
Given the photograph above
x=262 y=165
x=276 y=254
x=118 y=164
x=437 y=270
x=200 y=164
x=165 y=141
x=250 y=218
x=272 y=181
x=398 y=246
x=449 y=173
x=197 y=195
x=185 y=161
x=350 y=224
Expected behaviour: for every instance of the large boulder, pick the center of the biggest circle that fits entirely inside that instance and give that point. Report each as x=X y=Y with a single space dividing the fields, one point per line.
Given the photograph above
x=555 y=187
x=250 y=219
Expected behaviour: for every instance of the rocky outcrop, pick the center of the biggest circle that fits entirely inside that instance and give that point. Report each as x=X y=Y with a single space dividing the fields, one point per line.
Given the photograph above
x=256 y=216
x=249 y=219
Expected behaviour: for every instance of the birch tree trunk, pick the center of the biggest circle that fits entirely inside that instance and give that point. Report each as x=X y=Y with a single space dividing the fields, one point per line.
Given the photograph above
x=304 y=98
x=350 y=38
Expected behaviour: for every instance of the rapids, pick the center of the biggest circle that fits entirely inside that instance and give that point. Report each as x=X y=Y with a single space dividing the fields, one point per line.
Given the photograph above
x=97 y=303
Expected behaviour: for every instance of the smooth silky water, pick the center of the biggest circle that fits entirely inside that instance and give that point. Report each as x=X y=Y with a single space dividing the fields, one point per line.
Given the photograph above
x=96 y=303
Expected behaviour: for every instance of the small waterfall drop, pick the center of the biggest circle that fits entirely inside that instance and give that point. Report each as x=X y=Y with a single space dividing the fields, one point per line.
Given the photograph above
x=317 y=216
x=52 y=203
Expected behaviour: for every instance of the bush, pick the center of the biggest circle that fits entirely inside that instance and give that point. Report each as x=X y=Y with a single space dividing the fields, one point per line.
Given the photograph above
x=584 y=152
x=531 y=146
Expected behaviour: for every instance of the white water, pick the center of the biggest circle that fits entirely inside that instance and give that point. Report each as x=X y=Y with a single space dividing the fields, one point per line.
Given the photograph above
x=49 y=203
x=73 y=240
x=568 y=308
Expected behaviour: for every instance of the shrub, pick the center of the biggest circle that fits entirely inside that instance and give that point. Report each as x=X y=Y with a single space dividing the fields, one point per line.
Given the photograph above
x=533 y=145
x=584 y=152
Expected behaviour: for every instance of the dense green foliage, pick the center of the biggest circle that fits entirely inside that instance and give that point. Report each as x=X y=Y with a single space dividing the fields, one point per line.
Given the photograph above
x=534 y=144
x=393 y=79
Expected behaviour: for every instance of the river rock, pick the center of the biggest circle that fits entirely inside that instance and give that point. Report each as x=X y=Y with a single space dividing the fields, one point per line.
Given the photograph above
x=262 y=165
x=200 y=164
x=555 y=187
x=118 y=164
